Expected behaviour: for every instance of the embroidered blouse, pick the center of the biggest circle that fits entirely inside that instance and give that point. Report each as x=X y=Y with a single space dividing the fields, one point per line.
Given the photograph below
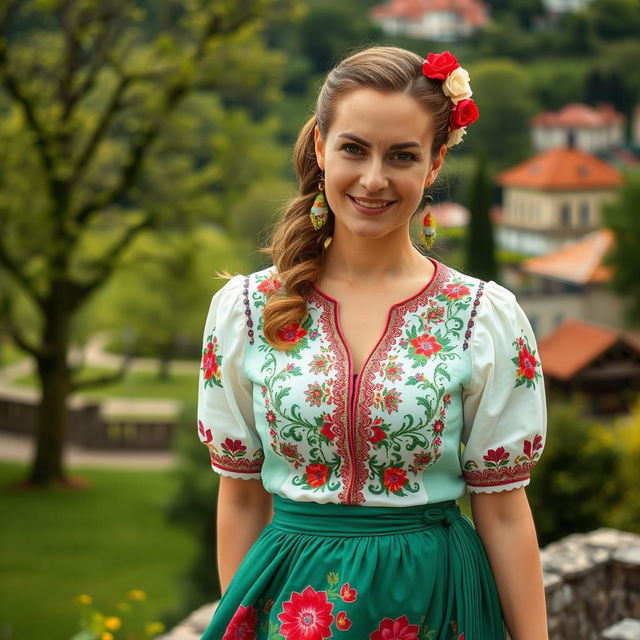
x=451 y=397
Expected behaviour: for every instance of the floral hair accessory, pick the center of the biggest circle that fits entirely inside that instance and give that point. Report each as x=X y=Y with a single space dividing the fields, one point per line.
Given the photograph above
x=455 y=84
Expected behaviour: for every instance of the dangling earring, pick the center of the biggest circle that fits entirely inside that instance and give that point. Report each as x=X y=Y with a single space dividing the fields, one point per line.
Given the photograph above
x=319 y=211
x=428 y=235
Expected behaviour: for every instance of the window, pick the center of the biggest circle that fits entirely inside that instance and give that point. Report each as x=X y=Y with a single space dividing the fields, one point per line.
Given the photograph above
x=584 y=214
x=565 y=214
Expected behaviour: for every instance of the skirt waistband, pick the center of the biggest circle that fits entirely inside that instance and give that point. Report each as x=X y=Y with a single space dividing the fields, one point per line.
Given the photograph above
x=346 y=521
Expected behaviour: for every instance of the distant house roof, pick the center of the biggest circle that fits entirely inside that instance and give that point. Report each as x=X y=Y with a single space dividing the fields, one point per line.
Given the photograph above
x=577 y=115
x=474 y=12
x=575 y=344
x=578 y=262
x=561 y=169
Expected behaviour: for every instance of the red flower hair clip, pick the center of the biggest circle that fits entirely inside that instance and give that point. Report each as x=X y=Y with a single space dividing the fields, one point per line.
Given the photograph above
x=455 y=84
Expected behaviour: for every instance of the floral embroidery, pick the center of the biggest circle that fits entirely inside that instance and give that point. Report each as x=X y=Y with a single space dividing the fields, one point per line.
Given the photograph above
x=394 y=479
x=386 y=399
x=347 y=593
x=497 y=469
x=247 y=308
x=211 y=363
x=455 y=290
x=306 y=616
x=425 y=345
x=291 y=332
x=527 y=365
x=473 y=314
x=342 y=622
x=393 y=370
x=398 y=629
x=317 y=474
x=243 y=624
x=234 y=456
x=269 y=286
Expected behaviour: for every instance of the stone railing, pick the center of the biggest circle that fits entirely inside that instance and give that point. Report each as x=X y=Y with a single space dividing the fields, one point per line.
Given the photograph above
x=592 y=585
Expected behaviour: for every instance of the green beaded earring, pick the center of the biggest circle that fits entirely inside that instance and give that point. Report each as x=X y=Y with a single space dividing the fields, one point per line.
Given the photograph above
x=319 y=211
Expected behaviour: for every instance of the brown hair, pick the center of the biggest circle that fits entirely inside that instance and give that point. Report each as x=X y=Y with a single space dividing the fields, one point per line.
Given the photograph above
x=296 y=248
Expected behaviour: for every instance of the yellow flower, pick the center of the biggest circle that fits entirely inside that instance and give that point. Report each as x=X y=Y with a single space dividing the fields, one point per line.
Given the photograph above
x=83 y=598
x=105 y=635
x=154 y=628
x=137 y=594
x=113 y=623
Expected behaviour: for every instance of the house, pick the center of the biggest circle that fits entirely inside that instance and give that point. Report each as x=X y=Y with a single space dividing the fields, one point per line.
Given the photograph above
x=600 y=363
x=572 y=281
x=442 y=20
x=581 y=126
x=556 y=7
x=552 y=199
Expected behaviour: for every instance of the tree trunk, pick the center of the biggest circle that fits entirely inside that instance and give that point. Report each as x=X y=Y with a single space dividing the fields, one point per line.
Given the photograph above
x=54 y=375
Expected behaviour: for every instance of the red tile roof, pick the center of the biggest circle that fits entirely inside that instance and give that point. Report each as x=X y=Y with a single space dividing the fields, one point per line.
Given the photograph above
x=576 y=344
x=474 y=12
x=576 y=115
x=578 y=262
x=561 y=169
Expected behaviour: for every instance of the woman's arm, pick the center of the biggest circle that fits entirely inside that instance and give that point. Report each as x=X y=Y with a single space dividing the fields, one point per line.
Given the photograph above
x=244 y=509
x=504 y=523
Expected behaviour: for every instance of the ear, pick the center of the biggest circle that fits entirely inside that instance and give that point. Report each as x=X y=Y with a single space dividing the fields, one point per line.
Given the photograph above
x=436 y=165
x=319 y=147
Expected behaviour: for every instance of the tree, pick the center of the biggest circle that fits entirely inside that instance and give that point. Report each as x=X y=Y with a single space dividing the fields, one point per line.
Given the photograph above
x=481 y=261
x=86 y=99
x=502 y=90
x=622 y=218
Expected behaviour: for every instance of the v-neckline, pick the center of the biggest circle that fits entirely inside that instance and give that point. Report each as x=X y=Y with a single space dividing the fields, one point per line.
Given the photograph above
x=355 y=377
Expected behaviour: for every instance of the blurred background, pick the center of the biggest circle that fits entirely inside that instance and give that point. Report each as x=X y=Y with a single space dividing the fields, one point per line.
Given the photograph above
x=145 y=144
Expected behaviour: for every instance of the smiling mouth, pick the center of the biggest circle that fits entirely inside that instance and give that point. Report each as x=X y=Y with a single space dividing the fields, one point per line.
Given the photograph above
x=372 y=204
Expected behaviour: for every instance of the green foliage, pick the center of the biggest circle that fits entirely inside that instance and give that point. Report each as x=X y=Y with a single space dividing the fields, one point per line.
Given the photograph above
x=574 y=484
x=480 y=245
x=194 y=507
x=621 y=216
x=503 y=90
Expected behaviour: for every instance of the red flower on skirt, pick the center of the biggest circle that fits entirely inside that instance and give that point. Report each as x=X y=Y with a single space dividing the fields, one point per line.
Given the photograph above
x=242 y=625
x=347 y=593
x=307 y=616
x=398 y=629
x=394 y=479
x=342 y=622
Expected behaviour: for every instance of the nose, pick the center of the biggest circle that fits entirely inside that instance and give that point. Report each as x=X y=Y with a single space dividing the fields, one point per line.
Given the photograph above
x=373 y=177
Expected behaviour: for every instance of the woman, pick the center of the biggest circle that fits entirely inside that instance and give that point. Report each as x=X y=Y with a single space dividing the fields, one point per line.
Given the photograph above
x=338 y=385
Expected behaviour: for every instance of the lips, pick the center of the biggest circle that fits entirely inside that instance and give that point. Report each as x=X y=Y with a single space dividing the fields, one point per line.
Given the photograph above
x=371 y=205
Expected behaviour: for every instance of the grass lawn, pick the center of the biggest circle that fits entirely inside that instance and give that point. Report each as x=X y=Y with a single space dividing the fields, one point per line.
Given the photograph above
x=136 y=385
x=103 y=541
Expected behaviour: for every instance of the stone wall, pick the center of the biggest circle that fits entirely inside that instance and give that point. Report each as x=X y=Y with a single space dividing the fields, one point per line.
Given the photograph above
x=592 y=584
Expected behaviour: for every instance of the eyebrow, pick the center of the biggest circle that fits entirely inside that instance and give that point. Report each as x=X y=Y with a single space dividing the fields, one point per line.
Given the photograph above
x=364 y=143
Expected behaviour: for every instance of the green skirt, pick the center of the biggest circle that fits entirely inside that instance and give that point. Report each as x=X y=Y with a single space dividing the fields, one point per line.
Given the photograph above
x=322 y=571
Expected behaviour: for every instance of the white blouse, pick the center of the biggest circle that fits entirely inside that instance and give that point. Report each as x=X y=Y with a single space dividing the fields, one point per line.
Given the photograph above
x=452 y=396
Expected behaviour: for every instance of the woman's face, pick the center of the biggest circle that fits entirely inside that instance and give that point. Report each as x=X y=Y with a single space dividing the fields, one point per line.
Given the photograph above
x=377 y=161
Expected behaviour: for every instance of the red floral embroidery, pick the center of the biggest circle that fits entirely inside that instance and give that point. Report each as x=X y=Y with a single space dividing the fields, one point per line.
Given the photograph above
x=376 y=434
x=291 y=332
x=347 y=593
x=455 y=290
x=426 y=344
x=394 y=479
x=306 y=616
x=234 y=448
x=329 y=428
x=438 y=426
x=398 y=629
x=211 y=362
x=291 y=453
x=317 y=474
x=528 y=366
x=242 y=625
x=206 y=435
x=342 y=622
x=496 y=457
x=497 y=470
x=270 y=285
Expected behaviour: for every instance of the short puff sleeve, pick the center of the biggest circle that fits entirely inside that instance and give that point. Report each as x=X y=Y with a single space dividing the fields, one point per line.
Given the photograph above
x=226 y=422
x=504 y=404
